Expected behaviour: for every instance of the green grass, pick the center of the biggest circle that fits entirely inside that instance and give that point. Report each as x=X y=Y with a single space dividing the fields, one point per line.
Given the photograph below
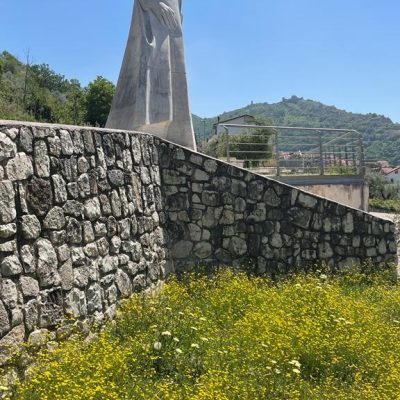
x=232 y=337
x=391 y=205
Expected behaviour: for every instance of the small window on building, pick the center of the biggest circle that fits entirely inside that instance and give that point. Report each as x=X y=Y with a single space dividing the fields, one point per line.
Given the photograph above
x=392 y=180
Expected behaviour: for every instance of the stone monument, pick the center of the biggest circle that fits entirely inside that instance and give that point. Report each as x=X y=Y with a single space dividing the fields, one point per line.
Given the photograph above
x=152 y=94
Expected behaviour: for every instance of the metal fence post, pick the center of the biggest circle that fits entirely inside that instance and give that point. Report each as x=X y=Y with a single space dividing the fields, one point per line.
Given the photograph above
x=228 y=150
x=321 y=158
x=361 y=155
x=278 y=168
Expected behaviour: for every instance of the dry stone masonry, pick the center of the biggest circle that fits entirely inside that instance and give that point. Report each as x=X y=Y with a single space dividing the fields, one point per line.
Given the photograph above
x=221 y=214
x=80 y=225
x=89 y=216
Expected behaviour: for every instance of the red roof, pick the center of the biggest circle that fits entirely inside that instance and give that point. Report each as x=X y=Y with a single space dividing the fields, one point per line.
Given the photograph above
x=389 y=170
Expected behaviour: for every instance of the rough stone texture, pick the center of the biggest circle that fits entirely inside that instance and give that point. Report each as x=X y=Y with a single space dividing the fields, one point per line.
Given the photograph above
x=75 y=303
x=7 y=202
x=41 y=159
x=8 y=148
x=29 y=286
x=67 y=275
x=60 y=189
x=121 y=210
x=28 y=259
x=123 y=283
x=30 y=226
x=92 y=209
x=94 y=299
x=79 y=225
x=11 y=266
x=8 y=231
x=39 y=196
x=9 y=293
x=47 y=272
x=19 y=168
x=251 y=220
x=9 y=343
x=4 y=320
x=55 y=219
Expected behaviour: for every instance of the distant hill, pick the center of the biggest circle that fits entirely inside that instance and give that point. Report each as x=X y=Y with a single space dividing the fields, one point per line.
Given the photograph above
x=37 y=93
x=381 y=135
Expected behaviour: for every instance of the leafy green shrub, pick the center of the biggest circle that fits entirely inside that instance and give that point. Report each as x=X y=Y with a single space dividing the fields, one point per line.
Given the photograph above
x=379 y=188
x=385 y=205
x=252 y=145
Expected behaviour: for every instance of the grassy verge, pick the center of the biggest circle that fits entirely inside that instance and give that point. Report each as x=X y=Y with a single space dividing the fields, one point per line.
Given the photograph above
x=235 y=337
x=392 y=206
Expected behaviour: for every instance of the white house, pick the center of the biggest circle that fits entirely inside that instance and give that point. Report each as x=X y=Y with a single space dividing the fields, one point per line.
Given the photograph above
x=245 y=119
x=393 y=175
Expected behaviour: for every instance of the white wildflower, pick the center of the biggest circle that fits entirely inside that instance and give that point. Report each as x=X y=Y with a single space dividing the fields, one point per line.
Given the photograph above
x=296 y=370
x=157 y=346
x=295 y=363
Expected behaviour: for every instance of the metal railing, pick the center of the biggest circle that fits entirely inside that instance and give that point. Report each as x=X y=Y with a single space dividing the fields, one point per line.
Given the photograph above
x=282 y=150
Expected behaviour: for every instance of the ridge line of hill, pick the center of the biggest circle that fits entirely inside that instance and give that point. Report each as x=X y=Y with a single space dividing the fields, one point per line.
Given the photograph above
x=37 y=93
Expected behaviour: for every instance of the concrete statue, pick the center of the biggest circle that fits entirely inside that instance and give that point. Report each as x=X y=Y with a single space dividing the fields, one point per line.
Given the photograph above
x=152 y=94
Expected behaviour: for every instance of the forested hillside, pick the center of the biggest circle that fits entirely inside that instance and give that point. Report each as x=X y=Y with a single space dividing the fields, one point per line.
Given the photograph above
x=34 y=92
x=380 y=137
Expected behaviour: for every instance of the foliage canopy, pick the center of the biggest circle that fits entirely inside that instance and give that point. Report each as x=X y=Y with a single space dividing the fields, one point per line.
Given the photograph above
x=380 y=135
x=252 y=145
x=34 y=92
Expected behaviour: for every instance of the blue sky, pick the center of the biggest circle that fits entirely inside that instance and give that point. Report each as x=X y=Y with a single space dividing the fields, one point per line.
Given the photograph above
x=341 y=52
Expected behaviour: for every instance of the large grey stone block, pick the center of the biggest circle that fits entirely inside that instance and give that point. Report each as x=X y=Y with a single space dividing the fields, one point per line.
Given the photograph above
x=19 y=168
x=11 y=266
x=47 y=271
x=7 y=202
x=8 y=230
x=31 y=228
x=9 y=343
x=55 y=219
x=8 y=148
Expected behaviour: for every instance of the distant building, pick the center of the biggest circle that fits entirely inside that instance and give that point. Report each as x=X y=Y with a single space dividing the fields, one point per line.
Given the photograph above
x=245 y=119
x=383 y=164
x=392 y=175
x=385 y=170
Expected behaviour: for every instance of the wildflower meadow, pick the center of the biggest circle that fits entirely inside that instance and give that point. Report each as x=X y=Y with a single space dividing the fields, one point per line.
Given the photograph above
x=235 y=337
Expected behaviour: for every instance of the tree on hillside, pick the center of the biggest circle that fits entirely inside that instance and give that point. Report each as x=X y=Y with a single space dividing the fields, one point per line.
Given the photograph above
x=44 y=95
x=9 y=62
x=251 y=145
x=75 y=107
x=99 y=96
x=47 y=78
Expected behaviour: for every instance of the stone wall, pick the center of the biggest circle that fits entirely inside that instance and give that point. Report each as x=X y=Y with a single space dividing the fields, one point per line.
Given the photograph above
x=89 y=216
x=79 y=225
x=221 y=214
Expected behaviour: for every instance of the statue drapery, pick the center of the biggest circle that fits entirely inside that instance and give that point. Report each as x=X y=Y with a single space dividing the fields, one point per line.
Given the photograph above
x=152 y=94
